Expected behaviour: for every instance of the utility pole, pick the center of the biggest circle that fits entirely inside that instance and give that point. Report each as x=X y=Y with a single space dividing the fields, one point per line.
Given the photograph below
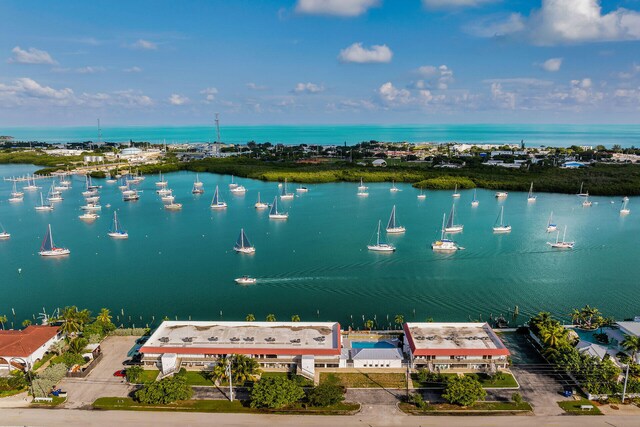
x=229 y=375
x=626 y=377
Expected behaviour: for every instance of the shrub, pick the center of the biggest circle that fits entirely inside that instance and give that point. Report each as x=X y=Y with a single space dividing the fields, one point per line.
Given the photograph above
x=517 y=398
x=133 y=374
x=463 y=391
x=326 y=394
x=45 y=381
x=418 y=400
x=69 y=359
x=165 y=391
x=275 y=392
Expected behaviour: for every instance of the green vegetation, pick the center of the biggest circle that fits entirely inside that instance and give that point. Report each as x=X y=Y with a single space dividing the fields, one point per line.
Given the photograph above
x=44 y=381
x=243 y=369
x=417 y=406
x=39 y=158
x=573 y=407
x=41 y=362
x=15 y=383
x=497 y=380
x=425 y=378
x=198 y=378
x=165 y=391
x=463 y=391
x=589 y=318
x=299 y=379
x=275 y=392
x=365 y=380
x=326 y=394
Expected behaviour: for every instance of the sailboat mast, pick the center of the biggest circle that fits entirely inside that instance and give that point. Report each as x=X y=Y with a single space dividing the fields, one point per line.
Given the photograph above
x=378 y=240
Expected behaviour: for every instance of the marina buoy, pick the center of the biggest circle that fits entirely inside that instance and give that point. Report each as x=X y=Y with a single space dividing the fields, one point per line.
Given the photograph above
x=19 y=270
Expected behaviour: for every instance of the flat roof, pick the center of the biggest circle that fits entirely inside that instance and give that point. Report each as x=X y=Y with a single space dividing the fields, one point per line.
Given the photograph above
x=631 y=327
x=453 y=339
x=283 y=338
x=23 y=343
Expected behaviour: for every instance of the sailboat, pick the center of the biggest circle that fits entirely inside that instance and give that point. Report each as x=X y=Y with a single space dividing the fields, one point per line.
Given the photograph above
x=380 y=245
x=233 y=184
x=15 y=192
x=274 y=214
x=197 y=186
x=130 y=196
x=49 y=249
x=392 y=226
x=561 y=244
x=475 y=202
x=3 y=233
x=455 y=194
x=167 y=197
x=261 y=205
x=238 y=189
x=161 y=182
x=500 y=226
x=42 y=206
x=444 y=245
x=501 y=194
x=60 y=186
x=422 y=196
x=624 y=210
x=550 y=225
x=116 y=231
x=285 y=195
x=54 y=195
x=93 y=199
x=91 y=207
x=90 y=185
x=451 y=226
x=110 y=179
x=586 y=203
x=582 y=193
x=31 y=185
x=302 y=189
x=173 y=206
x=362 y=187
x=393 y=188
x=216 y=202
x=531 y=197
x=243 y=245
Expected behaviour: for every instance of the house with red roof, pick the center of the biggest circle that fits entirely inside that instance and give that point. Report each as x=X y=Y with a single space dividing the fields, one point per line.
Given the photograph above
x=20 y=349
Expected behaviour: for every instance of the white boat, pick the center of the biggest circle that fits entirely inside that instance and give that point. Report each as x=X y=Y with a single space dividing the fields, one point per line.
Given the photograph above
x=475 y=202
x=392 y=226
x=501 y=194
x=163 y=191
x=238 y=190
x=54 y=195
x=89 y=217
x=561 y=244
x=455 y=194
x=274 y=214
x=451 y=226
x=233 y=184
x=31 y=185
x=243 y=245
x=131 y=197
x=586 y=203
x=168 y=198
x=110 y=179
x=500 y=226
x=3 y=233
x=393 y=188
x=550 y=225
x=42 y=206
x=90 y=193
x=90 y=185
x=245 y=280
x=581 y=193
x=284 y=195
x=443 y=244
x=173 y=206
x=624 y=210
x=197 y=186
x=197 y=183
x=15 y=199
x=302 y=189
x=94 y=199
x=363 y=193
x=91 y=207
x=421 y=196
x=531 y=197
x=15 y=193
x=116 y=231
x=161 y=182
x=381 y=246
x=49 y=249
x=362 y=187
x=261 y=205
x=216 y=202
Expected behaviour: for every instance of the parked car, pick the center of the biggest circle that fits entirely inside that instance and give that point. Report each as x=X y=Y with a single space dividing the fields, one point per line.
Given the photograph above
x=120 y=373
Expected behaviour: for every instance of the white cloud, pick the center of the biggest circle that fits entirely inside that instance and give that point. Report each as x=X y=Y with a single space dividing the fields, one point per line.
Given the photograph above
x=177 y=99
x=345 y=8
x=392 y=95
x=308 y=88
x=497 y=27
x=134 y=69
x=82 y=70
x=505 y=99
x=255 y=86
x=451 y=4
x=552 y=64
x=209 y=94
x=358 y=54
x=427 y=70
x=144 y=45
x=30 y=56
x=441 y=77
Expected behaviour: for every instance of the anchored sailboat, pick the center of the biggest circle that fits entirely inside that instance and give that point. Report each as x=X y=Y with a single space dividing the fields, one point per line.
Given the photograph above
x=444 y=245
x=42 y=206
x=582 y=193
x=49 y=249
x=3 y=233
x=531 y=197
x=285 y=195
x=116 y=231
x=88 y=216
x=161 y=182
x=550 y=225
x=302 y=189
x=233 y=184
x=274 y=214
x=422 y=196
x=455 y=194
x=362 y=187
x=586 y=203
x=501 y=194
x=561 y=244
x=31 y=184
x=451 y=226
x=259 y=204
x=197 y=186
x=392 y=226
x=624 y=210
x=216 y=202
x=393 y=188
x=500 y=226
x=380 y=245
x=475 y=202
x=243 y=245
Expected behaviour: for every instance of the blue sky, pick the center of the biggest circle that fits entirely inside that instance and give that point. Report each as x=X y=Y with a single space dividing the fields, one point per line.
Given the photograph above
x=319 y=62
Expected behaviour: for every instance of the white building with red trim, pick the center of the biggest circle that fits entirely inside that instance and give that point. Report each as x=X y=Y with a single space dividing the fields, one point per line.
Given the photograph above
x=20 y=349
x=451 y=346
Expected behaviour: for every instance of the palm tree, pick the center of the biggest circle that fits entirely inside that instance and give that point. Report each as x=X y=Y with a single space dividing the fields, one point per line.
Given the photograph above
x=399 y=319
x=84 y=317
x=104 y=316
x=244 y=369
x=576 y=315
x=295 y=318
x=250 y=318
x=78 y=345
x=26 y=322
x=631 y=343
x=3 y=320
x=588 y=313
x=368 y=324
x=271 y=317
x=71 y=324
x=554 y=336
x=219 y=372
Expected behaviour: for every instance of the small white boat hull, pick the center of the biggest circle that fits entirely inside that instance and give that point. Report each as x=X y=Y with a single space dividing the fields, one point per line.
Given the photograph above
x=361 y=194
x=454 y=229
x=120 y=236
x=422 y=196
x=219 y=206
x=286 y=197
x=55 y=252
x=245 y=250
x=4 y=235
x=245 y=281
x=396 y=230
x=381 y=248
x=44 y=208
x=625 y=211
x=279 y=216
x=502 y=230
x=261 y=206
x=173 y=206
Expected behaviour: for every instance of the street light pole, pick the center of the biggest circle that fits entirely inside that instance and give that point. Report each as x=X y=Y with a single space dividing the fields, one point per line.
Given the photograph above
x=229 y=375
x=626 y=377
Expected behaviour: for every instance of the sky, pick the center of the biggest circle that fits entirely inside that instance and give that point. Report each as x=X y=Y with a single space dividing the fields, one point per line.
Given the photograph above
x=157 y=62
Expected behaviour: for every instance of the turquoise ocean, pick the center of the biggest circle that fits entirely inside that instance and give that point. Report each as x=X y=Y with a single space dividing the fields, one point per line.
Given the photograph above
x=533 y=135
x=316 y=264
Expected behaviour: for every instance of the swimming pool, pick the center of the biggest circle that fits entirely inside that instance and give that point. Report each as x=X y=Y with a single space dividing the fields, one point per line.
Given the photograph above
x=372 y=344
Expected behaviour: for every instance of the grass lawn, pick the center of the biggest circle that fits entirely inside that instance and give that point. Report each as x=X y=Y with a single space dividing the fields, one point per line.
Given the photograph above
x=55 y=402
x=300 y=380
x=573 y=407
x=366 y=380
x=221 y=406
x=148 y=376
x=506 y=381
x=7 y=393
x=197 y=378
x=418 y=384
x=45 y=359
x=482 y=408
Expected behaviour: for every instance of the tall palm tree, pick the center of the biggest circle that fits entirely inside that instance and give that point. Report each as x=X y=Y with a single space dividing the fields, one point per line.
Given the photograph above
x=244 y=369
x=78 y=345
x=295 y=318
x=26 y=322
x=71 y=324
x=250 y=318
x=219 y=372
x=576 y=315
x=3 y=320
x=368 y=324
x=554 y=336
x=104 y=316
x=84 y=316
x=399 y=319
x=271 y=317
x=631 y=343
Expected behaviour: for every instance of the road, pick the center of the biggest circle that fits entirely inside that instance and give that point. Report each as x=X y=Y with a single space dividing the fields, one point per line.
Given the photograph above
x=65 y=418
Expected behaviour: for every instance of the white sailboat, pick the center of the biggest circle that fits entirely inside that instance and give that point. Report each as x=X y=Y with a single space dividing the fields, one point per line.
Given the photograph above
x=49 y=249
x=274 y=214
x=198 y=186
x=362 y=191
x=586 y=203
x=451 y=226
x=168 y=198
x=561 y=244
x=550 y=225
x=216 y=202
x=94 y=199
x=531 y=197
x=392 y=226
x=110 y=179
x=131 y=196
x=285 y=195
x=91 y=207
x=238 y=189
x=54 y=195
x=500 y=226
x=3 y=233
x=42 y=206
x=422 y=196
x=475 y=202
x=163 y=191
x=624 y=210
x=455 y=194
x=259 y=204
x=161 y=182
x=302 y=189
x=173 y=206
x=501 y=194
x=362 y=187
x=15 y=192
x=233 y=184
x=31 y=185
x=116 y=231
x=443 y=244
x=380 y=245
x=243 y=245
x=581 y=193
x=393 y=188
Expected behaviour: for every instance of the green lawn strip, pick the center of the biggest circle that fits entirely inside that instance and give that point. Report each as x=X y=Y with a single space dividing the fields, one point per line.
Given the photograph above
x=55 y=402
x=429 y=384
x=197 y=378
x=300 y=380
x=573 y=407
x=507 y=381
x=366 y=380
x=480 y=408
x=7 y=393
x=45 y=359
x=220 y=406
x=148 y=375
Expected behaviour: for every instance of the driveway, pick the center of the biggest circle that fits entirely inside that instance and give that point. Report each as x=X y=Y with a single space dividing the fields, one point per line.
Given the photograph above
x=100 y=382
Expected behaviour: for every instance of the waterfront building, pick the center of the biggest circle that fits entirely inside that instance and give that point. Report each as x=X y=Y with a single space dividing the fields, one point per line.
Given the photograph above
x=454 y=346
x=20 y=349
